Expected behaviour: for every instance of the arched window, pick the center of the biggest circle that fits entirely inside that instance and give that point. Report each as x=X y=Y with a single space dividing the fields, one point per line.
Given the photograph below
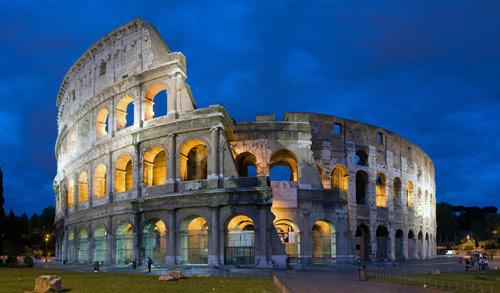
x=361 y=184
x=102 y=123
x=124 y=243
x=100 y=181
x=362 y=240
x=289 y=234
x=382 y=235
x=123 y=174
x=155 y=103
x=409 y=191
x=155 y=167
x=380 y=194
x=239 y=241
x=124 y=113
x=397 y=192
x=193 y=160
x=194 y=241
x=71 y=193
x=323 y=241
x=361 y=158
x=83 y=246
x=399 y=245
x=83 y=187
x=155 y=241
x=100 y=244
x=340 y=181
x=245 y=162
x=284 y=166
x=412 y=243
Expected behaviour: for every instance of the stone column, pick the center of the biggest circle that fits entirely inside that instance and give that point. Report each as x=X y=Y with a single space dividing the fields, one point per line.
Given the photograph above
x=109 y=177
x=213 y=237
x=110 y=242
x=373 y=241
x=112 y=120
x=213 y=165
x=90 y=243
x=136 y=254
x=65 y=244
x=90 y=182
x=137 y=169
x=392 y=244
x=306 y=240
x=171 y=240
x=172 y=172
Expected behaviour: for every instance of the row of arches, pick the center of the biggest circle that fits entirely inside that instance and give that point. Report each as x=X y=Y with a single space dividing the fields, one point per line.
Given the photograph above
x=193 y=241
x=193 y=166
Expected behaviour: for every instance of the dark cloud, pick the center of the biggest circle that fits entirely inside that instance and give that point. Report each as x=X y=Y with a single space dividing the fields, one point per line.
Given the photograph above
x=425 y=70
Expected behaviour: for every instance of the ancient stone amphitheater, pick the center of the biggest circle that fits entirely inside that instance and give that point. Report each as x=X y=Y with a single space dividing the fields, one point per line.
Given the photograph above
x=142 y=172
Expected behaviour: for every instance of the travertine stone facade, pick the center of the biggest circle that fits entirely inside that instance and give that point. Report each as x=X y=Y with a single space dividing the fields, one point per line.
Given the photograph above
x=194 y=187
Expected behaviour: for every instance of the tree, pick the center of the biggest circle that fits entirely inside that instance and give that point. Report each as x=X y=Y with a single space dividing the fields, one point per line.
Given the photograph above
x=447 y=227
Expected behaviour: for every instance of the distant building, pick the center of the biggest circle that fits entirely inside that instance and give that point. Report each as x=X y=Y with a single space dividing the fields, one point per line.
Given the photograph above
x=194 y=187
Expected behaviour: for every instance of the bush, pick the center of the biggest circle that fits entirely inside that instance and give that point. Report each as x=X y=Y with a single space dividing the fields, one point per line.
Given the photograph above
x=1 y=262
x=468 y=247
x=11 y=261
x=28 y=261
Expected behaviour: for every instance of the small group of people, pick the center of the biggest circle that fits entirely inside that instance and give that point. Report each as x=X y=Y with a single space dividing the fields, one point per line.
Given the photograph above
x=482 y=262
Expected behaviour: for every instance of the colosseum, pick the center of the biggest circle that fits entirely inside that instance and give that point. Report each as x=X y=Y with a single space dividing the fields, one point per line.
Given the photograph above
x=143 y=172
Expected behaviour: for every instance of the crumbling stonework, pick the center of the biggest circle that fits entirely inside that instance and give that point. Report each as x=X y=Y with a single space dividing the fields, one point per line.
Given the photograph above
x=178 y=188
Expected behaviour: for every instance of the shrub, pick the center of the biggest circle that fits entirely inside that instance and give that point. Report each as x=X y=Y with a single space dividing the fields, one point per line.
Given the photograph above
x=11 y=261
x=468 y=247
x=1 y=262
x=28 y=261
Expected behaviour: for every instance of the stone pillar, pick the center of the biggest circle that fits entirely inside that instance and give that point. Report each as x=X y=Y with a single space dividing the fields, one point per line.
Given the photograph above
x=392 y=244
x=373 y=241
x=111 y=119
x=137 y=170
x=90 y=243
x=213 y=164
x=172 y=172
x=137 y=242
x=405 y=244
x=213 y=237
x=65 y=244
x=171 y=240
x=306 y=246
x=111 y=242
x=90 y=182
x=109 y=177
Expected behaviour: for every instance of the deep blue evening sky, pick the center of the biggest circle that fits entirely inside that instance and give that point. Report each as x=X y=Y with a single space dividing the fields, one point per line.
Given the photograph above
x=428 y=70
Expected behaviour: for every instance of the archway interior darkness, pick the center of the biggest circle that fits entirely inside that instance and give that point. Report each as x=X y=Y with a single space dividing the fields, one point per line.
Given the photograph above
x=155 y=241
x=361 y=187
x=399 y=245
x=83 y=246
x=283 y=166
x=382 y=235
x=100 y=244
x=362 y=242
x=239 y=245
x=155 y=167
x=361 y=158
x=397 y=192
x=124 y=244
x=193 y=160
x=323 y=241
x=289 y=235
x=194 y=241
x=246 y=164
x=155 y=103
x=411 y=245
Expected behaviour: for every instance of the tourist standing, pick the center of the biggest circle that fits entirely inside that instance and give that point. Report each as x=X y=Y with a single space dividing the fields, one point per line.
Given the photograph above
x=150 y=262
x=467 y=264
x=481 y=264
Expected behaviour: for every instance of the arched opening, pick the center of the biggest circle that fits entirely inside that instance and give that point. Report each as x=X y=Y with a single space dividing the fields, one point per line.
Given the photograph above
x=155 y=241
x=71 y=193
x=83 y=188
x=102 y=123
x=155 y=103
x=194 y=241
x=100 y=181
x=397 y=192
x=323 y=242
x=362 y=242
x=283 y=166
x=340 y=181
x=289 y=235
x=193 y=160
x=382 y=243
x=420 y=245
x=100 y=244
x=427 y=246
x=155 y=167
x=380 y=194
x=409 y=194
x=246 y=162
x=239 y=244
x=399 y=245
x=361 y=158
x=361 y=186
x=123 y=174
x=71 y=246
x=411 y=245
x=83 y=246
x=124 y=243
x=124 y=113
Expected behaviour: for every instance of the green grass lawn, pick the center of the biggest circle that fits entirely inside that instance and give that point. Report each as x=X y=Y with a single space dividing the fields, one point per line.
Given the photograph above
x=22 y=279
x=484 y=282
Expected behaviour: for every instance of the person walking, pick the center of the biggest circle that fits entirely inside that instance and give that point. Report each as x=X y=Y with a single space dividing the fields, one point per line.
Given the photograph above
x=481 y=264
x=467 y=264
x=150 y=263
